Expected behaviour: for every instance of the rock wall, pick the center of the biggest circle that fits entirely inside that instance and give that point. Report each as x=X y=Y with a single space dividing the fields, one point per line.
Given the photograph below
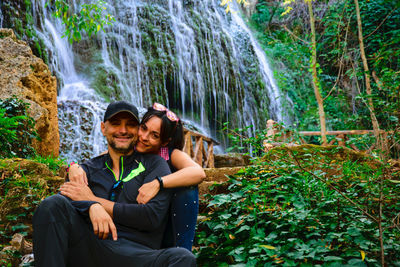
x=29 y=78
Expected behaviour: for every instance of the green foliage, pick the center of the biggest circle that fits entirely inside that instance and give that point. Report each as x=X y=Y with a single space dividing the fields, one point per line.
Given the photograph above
x=53 y=163
x=284 y=212
x=290 y=60
x=285 y=40
x=251 y=141
x=16 y=129
x=89 y=18
x=23 y=185
x=244 y=140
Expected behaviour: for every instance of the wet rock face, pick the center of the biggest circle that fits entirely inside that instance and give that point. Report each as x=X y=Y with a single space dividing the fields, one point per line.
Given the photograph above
x=24 y=75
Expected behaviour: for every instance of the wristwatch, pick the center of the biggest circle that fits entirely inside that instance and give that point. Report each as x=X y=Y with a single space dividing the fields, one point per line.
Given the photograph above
x=159 y=179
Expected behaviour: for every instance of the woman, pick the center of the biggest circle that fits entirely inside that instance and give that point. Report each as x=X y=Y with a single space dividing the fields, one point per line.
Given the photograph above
x=161 y=132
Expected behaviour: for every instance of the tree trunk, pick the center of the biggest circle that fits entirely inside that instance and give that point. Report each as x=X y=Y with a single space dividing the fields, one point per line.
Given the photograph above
x=375 y=124
x=315 y=81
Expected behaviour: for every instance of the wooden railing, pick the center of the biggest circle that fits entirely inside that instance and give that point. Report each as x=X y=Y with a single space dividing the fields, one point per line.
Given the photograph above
x=277 y=135
x=196 y=145
x=342 y=136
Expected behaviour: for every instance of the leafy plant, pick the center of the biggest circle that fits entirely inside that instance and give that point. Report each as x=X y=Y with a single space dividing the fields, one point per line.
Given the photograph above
x=16 y=129
x=89 y=18
x=309 y=206
x=54 y=163
x=24 y=184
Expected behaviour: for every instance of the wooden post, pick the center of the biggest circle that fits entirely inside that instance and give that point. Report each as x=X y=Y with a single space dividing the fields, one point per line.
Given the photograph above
x=188 y=147
x=210 y=155
x=198 y=155
x=270 y=129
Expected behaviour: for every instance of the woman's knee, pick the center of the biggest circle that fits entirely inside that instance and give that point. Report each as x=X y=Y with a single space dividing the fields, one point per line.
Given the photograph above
x=181 y=256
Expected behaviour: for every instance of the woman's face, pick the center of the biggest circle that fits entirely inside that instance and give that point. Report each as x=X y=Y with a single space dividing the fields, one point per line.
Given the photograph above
x=149 y=136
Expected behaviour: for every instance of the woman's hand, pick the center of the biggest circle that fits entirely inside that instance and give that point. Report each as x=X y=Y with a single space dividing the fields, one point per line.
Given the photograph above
x=148 y=191
x=77 y=174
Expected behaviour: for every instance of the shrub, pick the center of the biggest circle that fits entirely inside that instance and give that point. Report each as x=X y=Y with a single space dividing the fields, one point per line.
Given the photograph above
x=16 y=129
x=283 y=211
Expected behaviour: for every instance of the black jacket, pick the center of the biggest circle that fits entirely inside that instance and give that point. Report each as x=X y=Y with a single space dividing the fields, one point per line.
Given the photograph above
x=144 y=224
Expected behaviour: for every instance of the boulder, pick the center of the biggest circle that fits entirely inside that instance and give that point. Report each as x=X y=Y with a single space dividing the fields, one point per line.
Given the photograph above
x=231 y=160
x=19 y=246
x=26 y=76
x=214 y=183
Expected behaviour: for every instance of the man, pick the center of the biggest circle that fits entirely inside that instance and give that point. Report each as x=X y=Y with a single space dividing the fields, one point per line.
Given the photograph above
x=101 y=224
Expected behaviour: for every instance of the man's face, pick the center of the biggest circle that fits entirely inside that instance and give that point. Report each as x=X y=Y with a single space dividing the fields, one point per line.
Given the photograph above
x=121 y=132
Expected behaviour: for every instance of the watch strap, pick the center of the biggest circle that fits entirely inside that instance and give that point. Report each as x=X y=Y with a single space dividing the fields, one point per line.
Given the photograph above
x=159 y=179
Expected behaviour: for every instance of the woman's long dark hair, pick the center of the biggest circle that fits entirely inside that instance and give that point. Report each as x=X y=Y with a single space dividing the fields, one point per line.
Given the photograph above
x=171 y=132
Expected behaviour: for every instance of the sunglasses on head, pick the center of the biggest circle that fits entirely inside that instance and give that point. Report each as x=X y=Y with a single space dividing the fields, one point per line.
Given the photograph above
x=170 y=115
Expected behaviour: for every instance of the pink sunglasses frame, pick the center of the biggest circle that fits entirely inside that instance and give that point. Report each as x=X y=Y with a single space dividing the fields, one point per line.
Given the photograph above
x=170 y=115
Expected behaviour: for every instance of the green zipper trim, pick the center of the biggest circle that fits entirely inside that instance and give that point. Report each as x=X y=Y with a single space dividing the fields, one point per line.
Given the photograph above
x=122 y=170
x=112 y=172
x=134 y=173
x=131 y=175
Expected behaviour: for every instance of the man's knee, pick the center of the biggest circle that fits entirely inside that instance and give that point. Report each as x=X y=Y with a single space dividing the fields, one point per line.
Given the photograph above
x=55 y=204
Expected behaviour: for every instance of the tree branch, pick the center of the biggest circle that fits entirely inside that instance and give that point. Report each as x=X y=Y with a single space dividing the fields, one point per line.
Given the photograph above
x=380 y=24
x=340 y=64
x=291 y=33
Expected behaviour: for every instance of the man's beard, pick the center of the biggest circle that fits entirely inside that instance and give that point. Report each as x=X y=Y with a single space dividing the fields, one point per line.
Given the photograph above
x=122 y=150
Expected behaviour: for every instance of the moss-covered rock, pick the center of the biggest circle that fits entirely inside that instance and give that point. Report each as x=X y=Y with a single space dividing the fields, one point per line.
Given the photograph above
x=335 y=154
x=18 y=15
x=23 y=184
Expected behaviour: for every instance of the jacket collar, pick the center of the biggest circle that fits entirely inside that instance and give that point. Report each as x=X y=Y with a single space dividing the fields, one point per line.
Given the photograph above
x=127 y=159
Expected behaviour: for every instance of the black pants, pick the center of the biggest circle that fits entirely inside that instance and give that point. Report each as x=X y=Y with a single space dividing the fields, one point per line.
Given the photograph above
x=62 y=237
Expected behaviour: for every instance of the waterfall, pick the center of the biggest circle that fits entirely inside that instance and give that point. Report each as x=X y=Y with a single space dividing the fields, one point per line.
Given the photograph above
x=189 y=55
x=1 y=18
x=79 y=106
x=273 y=91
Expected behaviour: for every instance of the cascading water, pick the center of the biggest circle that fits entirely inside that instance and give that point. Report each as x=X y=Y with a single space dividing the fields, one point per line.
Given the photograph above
x=79 y=105
x=189 y=55
x=1 y=18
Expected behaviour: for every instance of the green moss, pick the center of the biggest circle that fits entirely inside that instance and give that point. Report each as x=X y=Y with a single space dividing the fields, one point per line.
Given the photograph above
x=106 y=83
x=309 y=151
x=24 y=184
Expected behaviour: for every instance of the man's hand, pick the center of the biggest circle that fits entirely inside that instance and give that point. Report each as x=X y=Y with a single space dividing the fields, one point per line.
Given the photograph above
x=102 y=222
x=148 y=191
x=77 y=174
x=77 y=191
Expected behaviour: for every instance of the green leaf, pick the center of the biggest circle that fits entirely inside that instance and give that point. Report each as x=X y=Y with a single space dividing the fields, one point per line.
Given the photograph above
x=333 y=258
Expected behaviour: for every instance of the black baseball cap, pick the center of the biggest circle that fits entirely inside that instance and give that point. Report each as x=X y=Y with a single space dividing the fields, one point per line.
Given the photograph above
x=121 y=106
